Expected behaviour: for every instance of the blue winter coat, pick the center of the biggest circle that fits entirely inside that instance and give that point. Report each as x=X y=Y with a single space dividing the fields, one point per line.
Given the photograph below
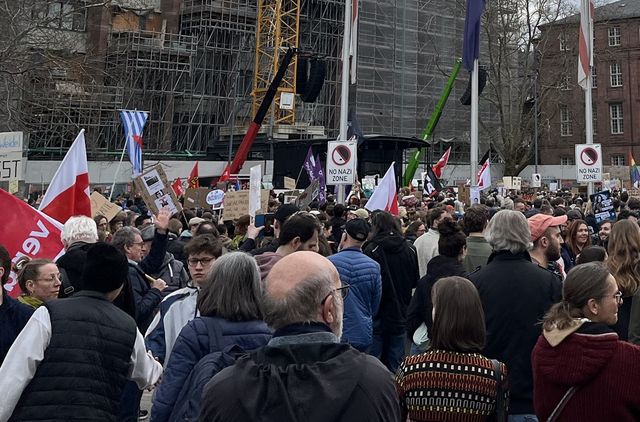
x=191 y=346
x=13 y=317
x=361 y=304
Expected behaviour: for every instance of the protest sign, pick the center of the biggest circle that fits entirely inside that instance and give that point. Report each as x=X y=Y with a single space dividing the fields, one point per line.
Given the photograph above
x=11 y=156
x=309 y=194
x=156 y=191
x=236 y=204
x=196 y=197
x=289 y=183
x=101 y=206
x=27 y=232
x=602 y=206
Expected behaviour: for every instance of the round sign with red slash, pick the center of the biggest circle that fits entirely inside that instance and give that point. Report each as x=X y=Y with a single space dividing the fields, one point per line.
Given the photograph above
x=341 y=155
x=589 y=156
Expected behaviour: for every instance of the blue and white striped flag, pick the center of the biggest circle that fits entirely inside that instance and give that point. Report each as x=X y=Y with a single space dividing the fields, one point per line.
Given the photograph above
x=134 y=122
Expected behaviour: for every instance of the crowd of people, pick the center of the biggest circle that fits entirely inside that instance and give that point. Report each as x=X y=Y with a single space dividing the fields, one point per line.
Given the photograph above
x=512 y=309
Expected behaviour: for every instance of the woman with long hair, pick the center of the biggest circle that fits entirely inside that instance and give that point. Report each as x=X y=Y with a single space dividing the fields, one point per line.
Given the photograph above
x=39 y=280
x=453 y=381
x=579 y=360
x=576 y=239
x=230 y=306
x=624 y=252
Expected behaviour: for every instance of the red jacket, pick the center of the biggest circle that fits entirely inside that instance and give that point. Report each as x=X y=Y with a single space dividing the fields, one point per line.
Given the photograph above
x=606 y=370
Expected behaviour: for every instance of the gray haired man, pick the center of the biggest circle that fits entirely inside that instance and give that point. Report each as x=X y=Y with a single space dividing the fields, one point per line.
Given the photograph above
x=304 y=373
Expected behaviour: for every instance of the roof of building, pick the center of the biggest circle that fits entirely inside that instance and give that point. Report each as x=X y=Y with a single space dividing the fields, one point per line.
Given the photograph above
x=621 y=9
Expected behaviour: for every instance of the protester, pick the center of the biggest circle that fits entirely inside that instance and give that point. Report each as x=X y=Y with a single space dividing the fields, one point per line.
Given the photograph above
x=399 y=269
x=414 y=231
x=117 y=222
x=171 y=271
x=304 y=373
x=74 y=356
x=515 y=295
x=362 y=275
x=431 y=384
x=427 y=244
x=547 y=242
x=604 y=230
x=146 y=290
x=39 y=280
x=474 y=222
x=78 y=235
x=581 y=359
x=240 y=234
x=175 y=246
x=282 y=213
x=448 y=262
x=299 y=233
x=624 y=250
x=592 y=254
x=230 y=306
x=13 y=314
x=576 y=239
x=180 y=306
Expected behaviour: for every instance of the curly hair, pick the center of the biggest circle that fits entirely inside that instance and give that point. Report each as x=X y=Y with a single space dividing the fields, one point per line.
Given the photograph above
x=624 y=250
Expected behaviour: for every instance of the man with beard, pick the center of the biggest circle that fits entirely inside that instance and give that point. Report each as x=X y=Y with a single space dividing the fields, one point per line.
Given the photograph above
x=298 y=233
x=304 y=372
x=546 y=238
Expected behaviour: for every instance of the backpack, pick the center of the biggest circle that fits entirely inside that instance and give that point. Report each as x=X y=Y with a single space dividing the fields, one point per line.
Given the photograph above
x=189 y=400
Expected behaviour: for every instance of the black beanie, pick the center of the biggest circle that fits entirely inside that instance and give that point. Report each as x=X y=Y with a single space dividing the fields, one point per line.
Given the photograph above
x=105 y=268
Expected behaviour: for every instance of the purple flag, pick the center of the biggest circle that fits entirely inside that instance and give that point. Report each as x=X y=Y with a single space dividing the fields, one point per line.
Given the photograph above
x=471 y=49
x=322 y=197
x=310 y=165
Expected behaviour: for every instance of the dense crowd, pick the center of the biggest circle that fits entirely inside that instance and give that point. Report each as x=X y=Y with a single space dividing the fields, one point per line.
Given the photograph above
x=518 y=309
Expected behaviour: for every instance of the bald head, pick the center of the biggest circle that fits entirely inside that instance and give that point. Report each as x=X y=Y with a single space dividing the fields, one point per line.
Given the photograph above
x=301 y=288
x=295 y=268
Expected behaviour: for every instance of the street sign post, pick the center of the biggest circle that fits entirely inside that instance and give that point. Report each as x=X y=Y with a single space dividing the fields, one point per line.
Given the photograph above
x=588 y=163
x=341 y=162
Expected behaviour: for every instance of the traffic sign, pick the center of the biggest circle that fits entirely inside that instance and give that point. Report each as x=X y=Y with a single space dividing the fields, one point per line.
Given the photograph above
x=341 y=162
x=588 y=163
x=536 y=180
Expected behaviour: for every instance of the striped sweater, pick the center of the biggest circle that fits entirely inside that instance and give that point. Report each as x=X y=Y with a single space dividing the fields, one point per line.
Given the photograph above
x=448 y=386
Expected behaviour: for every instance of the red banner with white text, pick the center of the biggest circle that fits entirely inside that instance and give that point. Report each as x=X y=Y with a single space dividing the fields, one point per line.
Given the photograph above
x=26 y=231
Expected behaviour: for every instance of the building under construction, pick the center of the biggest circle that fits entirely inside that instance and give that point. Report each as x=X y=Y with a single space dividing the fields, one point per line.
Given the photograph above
x=200 y=67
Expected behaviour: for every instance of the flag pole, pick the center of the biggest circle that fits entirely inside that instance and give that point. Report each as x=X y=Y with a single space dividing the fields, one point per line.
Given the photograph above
x=474 y=125
x=344 y=97
x=115 y=177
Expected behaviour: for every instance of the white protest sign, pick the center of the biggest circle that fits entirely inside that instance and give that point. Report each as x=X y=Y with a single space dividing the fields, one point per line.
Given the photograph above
x=255 y=184
x=588 y=163
x=215 y=197
x=536 y=180
x=341 y=163
x=11 y=156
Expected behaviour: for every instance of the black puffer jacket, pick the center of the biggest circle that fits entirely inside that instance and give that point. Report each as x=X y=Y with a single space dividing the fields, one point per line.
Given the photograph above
x=399 y=269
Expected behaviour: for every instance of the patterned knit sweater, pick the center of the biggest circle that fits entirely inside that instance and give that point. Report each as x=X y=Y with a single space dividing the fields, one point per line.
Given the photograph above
x=448 y=386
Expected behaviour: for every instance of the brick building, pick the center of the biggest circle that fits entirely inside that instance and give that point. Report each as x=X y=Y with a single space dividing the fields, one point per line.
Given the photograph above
x=616 y=87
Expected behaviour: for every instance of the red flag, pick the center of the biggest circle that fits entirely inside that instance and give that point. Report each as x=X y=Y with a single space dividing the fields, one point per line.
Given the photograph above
x=193 y=181
x=68 y=193
x=177 y=187
x=441 y=164
x=585 y=42
x=27 y=231
x=385 y=196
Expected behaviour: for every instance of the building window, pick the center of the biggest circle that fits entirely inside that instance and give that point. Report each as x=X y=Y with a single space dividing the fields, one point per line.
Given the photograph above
x=566 y=125
x=71 y=16
x=615 y=111
x=563 y=42
x=594 y=77
x=594 y=114
x=618 y=160
x=614 y=36
x=565 y=85
x=566 y=161
x=616 y=74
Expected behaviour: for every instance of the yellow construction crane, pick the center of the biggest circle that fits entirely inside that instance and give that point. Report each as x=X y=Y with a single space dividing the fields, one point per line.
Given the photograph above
x=277 y=30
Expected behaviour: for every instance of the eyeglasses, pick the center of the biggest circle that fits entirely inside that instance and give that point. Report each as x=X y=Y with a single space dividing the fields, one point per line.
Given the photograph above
x=141 y=243
x=51 y=279
x=344 y=291
x=194 y=261
x=618 y=296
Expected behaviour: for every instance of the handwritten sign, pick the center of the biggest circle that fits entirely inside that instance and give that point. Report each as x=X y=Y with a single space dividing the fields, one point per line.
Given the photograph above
x=289 y=183
x=236 y=204
x=100 y=206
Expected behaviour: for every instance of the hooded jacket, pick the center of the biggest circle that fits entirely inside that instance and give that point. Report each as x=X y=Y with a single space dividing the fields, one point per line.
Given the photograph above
x=588 y=355
x=421 y=306
x=399 y=268
x=266 y=261
x=307 y=377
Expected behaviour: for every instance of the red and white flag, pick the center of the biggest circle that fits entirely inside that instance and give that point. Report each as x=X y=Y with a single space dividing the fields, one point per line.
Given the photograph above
x=484 y=176
x=353 y=43
x=385 y=196
x=194 y=181
x=27 y=231
x=585 y=42
x=68 y=193
x=177 y=187
x=441 y=164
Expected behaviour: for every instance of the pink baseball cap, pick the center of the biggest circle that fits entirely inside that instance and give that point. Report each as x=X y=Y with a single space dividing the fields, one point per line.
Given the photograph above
x=540 y=222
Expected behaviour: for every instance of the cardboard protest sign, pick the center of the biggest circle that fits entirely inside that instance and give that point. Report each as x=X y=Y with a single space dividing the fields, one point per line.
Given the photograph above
x=309 y=194
x=196 y=197
x=101 y=206
x=464 y=194
x=236 y=204
x=156 y=191
x=289 y=183
x=602 y=206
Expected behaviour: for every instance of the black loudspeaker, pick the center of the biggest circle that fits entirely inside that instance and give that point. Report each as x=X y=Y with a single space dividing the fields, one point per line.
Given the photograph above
x=482 y=81
x=310 y=78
